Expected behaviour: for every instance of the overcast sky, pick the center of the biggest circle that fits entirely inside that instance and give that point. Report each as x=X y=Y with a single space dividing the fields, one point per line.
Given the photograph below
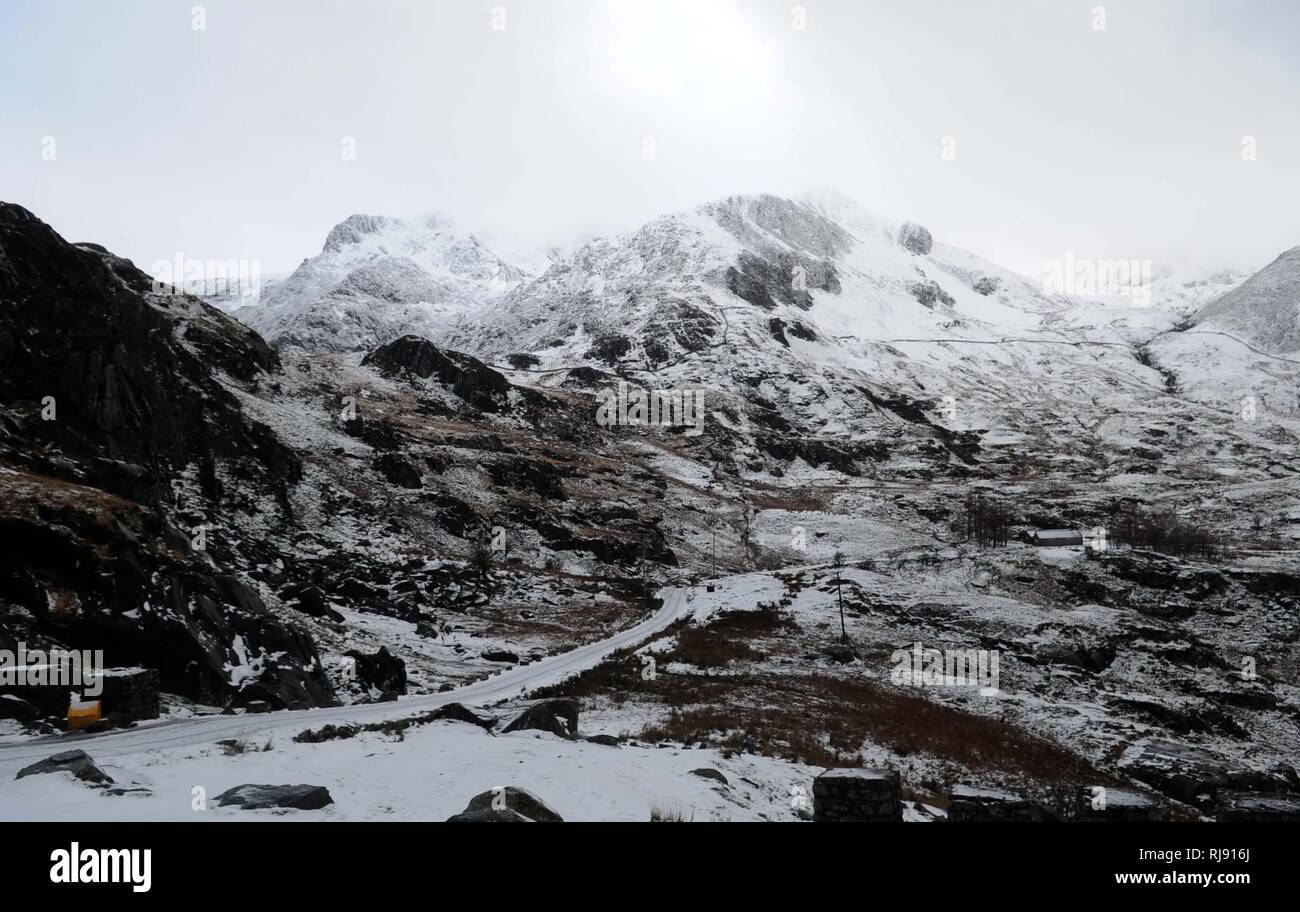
x=227 y=142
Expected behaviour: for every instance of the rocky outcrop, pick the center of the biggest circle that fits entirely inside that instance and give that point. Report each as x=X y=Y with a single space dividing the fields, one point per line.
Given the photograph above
x=130 y=374
x=1189 y=774
x=111 y=393
x=468 y=378
x=931 y=293
x=399 y=471
x=381 y=671
x=1249 y=807
x=915 y=238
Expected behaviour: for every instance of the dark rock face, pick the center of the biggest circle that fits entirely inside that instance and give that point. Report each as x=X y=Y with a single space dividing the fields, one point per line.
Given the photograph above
x=915 y=238
x=1247 y=807
x=520 y=801
x=382 y=671
x=530 y=475
x=610 y=349
x=76 y=762
x=589 y=376
x=399 y=472
x=82 y=328
x=1188 y=774
x=264 y=797
x=89 y=544
x=783 y=279
x=523 y=361
x=13 y=707
x=501 y=655
x=557 y=716
x=931 y=293
x=677 y=327
x=778 y=328
x=466 y=377
x=310 y=600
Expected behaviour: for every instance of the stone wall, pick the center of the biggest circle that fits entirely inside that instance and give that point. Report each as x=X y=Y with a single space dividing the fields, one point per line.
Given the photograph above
x=969 y=804
x=857 y=796
x=1238 y=807
x=1116 y=805
x=131 y=692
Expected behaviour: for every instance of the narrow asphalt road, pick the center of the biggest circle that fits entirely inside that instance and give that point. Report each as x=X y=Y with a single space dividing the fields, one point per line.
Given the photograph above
x=169 y=734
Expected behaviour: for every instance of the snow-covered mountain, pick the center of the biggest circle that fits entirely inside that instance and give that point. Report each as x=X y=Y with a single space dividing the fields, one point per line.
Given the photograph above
x=861 y=381
x=1265 y=309
x=377 y=279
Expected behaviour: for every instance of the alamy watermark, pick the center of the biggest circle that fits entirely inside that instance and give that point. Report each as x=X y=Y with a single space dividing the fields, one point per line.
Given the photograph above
x=1087 y=278
x=208 y=278
x=920 y=667
x=632 y=407
x=74 y=668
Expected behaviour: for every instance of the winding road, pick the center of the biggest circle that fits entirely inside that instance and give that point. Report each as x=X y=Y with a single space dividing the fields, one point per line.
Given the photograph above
x=201 y=730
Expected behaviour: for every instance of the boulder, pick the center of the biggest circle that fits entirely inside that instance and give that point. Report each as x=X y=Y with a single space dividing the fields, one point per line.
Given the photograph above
x=310 y=600
x=840 y=652
x=501 y=655
x=262 y=797
x=76 y=762
x=558 y=716
x=930 y=293
x=915 y=238
x=399 y=472
x=459 y=712
x=382 y=671
x=706 y=773
x=520 y=801
x=489 y=816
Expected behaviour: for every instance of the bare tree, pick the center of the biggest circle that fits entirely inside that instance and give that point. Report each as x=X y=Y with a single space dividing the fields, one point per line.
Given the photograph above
x=837 y=561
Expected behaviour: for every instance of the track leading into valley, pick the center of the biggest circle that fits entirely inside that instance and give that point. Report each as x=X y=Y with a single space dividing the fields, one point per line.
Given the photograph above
x=203 y=730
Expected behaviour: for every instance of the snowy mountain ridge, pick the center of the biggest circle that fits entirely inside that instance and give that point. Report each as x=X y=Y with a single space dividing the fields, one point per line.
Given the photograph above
x=377 y=278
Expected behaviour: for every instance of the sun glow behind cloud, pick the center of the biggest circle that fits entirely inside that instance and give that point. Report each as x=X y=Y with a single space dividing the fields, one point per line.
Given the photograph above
x=672 y=46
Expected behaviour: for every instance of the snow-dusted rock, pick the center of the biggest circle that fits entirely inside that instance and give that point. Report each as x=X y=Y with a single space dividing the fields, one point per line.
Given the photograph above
x=75 y=762
x=263 y=797
x=915 y=238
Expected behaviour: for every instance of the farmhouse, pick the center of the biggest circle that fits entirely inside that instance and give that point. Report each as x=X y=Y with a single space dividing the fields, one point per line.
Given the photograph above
x=1056 y=538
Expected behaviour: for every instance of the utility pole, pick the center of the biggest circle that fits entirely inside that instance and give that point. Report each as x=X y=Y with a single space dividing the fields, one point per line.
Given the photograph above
x=838 y=561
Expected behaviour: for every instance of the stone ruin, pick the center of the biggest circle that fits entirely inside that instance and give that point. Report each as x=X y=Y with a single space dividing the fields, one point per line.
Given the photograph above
x=858 y=796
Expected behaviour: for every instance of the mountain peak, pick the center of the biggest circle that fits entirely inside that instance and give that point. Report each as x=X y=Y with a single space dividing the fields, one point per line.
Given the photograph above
x=1264 y=309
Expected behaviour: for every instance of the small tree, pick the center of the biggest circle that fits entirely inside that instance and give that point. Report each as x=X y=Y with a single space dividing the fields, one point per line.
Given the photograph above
x=482 y=558
x=837 y=561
